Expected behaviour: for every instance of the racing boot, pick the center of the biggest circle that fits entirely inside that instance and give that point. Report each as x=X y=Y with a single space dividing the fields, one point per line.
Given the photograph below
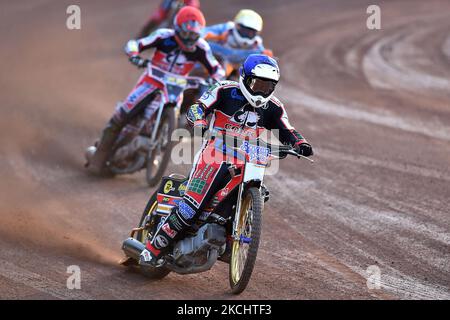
x=96 y=162
x=167 y=233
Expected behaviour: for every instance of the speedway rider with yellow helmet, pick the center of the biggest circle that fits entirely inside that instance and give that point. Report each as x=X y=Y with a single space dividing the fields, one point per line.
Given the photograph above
x=234 y=41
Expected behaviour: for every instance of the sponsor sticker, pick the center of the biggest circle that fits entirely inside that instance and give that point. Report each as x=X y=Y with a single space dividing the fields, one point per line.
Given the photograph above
x=171 y=233
x=224 y=192
x=255 y=152
x=161 y=241
x=197 y=186
x=182 y=188
x=236 y=95
x=168 y=186
x=186 y=211
x=146 y=255
x=175 y=222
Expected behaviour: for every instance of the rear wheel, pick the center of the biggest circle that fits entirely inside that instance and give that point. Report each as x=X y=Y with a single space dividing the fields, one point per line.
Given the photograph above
x=150 y=272
x=244 y=249
x=159 y=157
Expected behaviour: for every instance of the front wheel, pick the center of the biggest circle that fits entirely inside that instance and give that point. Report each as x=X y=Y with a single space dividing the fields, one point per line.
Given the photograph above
x=245 y=248
x=158 y=158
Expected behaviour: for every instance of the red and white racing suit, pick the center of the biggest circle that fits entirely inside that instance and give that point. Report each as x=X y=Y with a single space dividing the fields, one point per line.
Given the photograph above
x=168 y=56
x=231 y=113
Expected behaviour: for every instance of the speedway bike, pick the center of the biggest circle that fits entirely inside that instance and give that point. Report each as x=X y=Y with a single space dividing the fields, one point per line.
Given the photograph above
x=145 y=143
x=229 y=229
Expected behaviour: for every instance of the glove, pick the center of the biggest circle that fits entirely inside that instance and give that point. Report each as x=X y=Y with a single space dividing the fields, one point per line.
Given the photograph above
x=138 y=61
x=304 y=149
x=268 y=52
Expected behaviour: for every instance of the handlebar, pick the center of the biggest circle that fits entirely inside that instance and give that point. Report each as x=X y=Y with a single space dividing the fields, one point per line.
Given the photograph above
x=279 y=151
x=160 y=73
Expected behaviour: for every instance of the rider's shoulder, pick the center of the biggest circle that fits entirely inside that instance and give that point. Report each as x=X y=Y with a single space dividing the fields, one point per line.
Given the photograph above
x=227 y=84
x=220 y=28
x=203 y=44
x=229 y=25
x=163 y=33
x=275 y=102
x=223 y=87
x=258 y=40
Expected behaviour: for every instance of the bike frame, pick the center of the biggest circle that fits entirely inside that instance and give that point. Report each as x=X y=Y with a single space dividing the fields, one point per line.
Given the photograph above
x=252 y=172
x=174 y=81
x=256 y=159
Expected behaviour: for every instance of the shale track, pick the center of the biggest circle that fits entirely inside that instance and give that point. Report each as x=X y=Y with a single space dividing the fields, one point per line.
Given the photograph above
x=375 y=105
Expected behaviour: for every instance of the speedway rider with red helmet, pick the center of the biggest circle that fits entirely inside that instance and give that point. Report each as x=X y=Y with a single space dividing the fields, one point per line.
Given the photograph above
x=176 y=51
x=239 y=109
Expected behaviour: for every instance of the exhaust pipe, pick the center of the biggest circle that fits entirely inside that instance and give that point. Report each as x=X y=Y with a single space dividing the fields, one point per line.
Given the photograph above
x=133 y=248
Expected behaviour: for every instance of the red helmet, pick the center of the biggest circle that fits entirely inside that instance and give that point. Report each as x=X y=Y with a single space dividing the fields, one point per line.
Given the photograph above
x=188 y=24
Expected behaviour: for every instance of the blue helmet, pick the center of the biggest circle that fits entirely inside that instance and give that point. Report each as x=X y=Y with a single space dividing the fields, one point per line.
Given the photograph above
x=259 y=75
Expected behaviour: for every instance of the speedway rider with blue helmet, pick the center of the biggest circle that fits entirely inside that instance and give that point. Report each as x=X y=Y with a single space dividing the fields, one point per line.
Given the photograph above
x=243 y=109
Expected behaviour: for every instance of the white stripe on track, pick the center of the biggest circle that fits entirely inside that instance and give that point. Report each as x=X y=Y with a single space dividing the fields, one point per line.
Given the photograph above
x=357 y=112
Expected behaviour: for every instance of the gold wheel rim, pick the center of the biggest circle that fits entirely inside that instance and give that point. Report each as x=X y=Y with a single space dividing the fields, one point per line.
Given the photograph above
x=237 y=263
x=145 y=232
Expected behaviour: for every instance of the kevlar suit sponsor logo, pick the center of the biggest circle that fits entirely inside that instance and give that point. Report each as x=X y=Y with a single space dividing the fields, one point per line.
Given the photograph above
x=161 y=241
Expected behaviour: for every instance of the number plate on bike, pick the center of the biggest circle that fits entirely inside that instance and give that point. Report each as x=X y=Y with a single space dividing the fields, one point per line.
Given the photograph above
x=176 y=81
x=258 y=154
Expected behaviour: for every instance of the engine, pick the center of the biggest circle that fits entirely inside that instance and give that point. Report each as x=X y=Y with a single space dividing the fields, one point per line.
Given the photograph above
x=200 y=252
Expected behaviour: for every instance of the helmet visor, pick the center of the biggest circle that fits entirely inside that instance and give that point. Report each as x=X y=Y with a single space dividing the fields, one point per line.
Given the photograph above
x=189 y=35
x=189 y=32
x=245 y=32
x=263 y=87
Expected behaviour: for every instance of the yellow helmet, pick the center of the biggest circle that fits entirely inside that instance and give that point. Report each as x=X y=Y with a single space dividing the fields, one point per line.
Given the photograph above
x=249 y=19
x=247 y=25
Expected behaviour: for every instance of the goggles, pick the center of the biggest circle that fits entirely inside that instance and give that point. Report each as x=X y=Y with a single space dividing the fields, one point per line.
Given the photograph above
x=246 y=32
x=189 y=35
x=190 y=30
x=260 y=86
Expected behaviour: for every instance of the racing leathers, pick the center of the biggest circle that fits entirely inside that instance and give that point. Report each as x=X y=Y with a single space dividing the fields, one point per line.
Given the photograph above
x=233 y=116
x=167 y=56
x=224 y=45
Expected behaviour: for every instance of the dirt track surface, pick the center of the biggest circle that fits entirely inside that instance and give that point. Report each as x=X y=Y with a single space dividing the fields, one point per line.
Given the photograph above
x=375 y=105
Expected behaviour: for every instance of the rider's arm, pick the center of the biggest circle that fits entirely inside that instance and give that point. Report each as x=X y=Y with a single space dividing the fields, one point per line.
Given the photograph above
x=217 y=32
x=210 y=100
x=134 y=47
x=237 y=56
x=207 y=58
x=280 y=121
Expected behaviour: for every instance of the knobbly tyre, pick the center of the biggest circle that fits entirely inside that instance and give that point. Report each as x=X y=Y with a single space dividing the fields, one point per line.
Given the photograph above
x=229 y=228
x=146 y=143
